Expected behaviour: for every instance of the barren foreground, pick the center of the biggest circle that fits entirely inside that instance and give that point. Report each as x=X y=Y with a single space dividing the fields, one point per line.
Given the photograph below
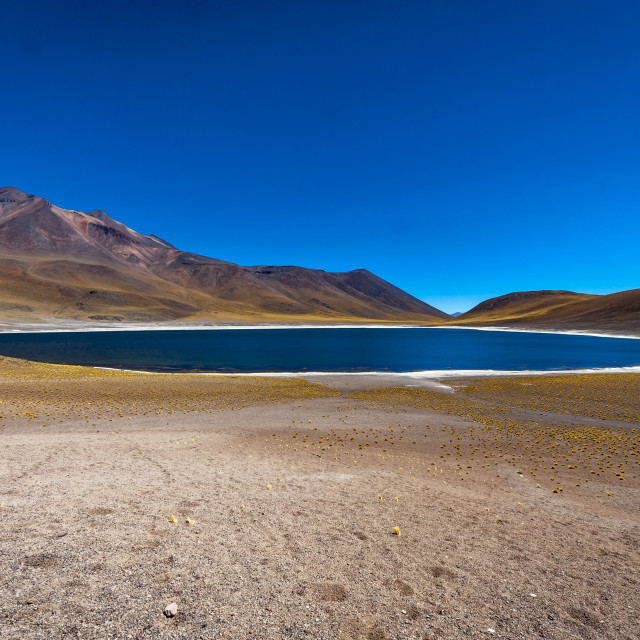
x=266 y=508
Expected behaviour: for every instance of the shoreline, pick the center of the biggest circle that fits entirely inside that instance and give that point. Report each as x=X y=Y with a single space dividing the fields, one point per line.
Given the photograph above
x=85 y=328
x=426 y=376
x=568 y=332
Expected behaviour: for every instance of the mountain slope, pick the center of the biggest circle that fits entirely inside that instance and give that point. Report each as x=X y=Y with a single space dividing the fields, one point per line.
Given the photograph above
x=60 y=263
x=616 y=312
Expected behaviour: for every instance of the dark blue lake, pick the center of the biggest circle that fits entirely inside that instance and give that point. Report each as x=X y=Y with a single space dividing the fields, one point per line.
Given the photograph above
x=318 y=349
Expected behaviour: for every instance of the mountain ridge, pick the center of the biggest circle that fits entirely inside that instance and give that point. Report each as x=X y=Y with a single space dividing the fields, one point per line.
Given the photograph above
x=63 y=263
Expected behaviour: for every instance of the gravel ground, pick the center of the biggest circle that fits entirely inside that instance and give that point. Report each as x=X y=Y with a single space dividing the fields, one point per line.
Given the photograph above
x=285 y=504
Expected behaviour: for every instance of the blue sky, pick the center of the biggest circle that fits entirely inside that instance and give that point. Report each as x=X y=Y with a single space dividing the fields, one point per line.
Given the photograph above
x=459 y=149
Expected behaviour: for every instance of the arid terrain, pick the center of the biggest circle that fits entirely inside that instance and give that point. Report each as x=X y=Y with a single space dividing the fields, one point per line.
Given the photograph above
x=274 y=508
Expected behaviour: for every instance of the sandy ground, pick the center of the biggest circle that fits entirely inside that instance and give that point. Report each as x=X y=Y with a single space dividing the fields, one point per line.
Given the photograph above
x=285 y=497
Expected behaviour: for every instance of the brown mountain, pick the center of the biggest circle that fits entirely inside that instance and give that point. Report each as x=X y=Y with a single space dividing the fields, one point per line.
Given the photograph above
x=65 y=264
x=616 y=312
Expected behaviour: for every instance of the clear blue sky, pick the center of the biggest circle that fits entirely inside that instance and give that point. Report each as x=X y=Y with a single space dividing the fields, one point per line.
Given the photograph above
x=459 y=149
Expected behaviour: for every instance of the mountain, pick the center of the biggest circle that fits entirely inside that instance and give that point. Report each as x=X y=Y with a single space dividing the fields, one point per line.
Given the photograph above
x=615 y=312
x=65 y=264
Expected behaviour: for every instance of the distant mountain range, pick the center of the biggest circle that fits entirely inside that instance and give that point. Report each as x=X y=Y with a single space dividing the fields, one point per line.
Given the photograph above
x=61 y=264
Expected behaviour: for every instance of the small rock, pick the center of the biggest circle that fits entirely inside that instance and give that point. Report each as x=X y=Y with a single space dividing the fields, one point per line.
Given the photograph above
x=170 y=610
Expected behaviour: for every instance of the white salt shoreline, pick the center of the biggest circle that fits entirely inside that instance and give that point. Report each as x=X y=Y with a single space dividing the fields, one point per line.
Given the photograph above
x=575 y=332
x=432 y=375
x=85 y=328
x=211 y=327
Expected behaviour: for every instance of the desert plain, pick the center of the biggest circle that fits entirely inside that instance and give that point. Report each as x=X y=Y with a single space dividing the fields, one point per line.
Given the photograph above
x=281 y=508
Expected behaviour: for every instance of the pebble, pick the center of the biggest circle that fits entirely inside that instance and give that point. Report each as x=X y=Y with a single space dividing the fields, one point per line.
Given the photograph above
x=170 y=610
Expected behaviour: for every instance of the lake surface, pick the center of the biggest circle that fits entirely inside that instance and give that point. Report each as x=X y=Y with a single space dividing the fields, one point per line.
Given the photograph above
x=320 y=349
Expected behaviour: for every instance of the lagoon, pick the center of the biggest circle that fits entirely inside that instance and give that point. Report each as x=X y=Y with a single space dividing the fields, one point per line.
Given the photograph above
x=357 y=349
